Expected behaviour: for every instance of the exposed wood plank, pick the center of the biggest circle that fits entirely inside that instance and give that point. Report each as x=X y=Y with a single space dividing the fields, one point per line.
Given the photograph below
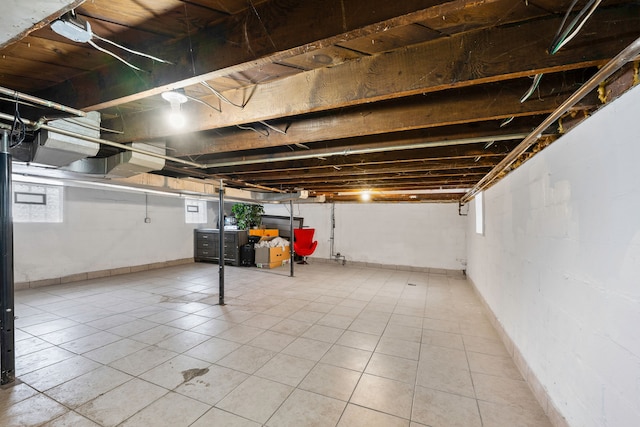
x=235 y=42
x=479 y=57
x=477 y=104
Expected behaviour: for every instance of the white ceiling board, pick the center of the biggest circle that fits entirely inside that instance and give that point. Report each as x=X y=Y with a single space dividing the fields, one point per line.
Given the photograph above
x=19 y=17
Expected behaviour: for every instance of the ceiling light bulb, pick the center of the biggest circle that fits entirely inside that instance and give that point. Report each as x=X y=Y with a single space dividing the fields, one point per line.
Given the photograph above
x=365 y=196
x=176 y=99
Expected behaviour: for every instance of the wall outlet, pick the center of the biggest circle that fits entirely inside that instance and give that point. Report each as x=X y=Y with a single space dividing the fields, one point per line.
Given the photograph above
x=147 y=220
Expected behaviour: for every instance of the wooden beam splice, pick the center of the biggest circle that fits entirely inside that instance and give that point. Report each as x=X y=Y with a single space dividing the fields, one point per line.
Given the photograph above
x=466 y=59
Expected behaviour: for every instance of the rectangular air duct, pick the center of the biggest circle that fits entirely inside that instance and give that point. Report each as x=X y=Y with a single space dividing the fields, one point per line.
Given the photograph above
x=130 y=163
x=54 y=149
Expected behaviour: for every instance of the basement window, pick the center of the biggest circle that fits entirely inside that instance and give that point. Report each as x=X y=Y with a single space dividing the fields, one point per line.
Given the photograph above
x=37 y=203
x=479 y=199
x=195 y=211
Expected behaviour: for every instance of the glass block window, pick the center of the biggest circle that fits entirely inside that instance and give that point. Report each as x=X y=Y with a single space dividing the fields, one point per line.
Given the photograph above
x=195 y=211
x=37 y=203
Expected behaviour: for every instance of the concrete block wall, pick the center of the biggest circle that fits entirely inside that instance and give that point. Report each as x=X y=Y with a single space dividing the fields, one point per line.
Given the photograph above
x=103 y=231
x=559 y=267
x=402 y=235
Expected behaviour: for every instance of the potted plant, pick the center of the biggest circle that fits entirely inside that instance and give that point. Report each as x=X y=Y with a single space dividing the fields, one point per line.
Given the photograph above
x=247 y=215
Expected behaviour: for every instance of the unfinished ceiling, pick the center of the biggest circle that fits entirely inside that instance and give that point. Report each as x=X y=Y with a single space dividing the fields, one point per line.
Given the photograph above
x=410 y=100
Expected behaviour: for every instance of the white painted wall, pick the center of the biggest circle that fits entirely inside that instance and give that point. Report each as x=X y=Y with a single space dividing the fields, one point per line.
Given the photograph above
x=408 y=234
x=104 y=230
x=559 y=264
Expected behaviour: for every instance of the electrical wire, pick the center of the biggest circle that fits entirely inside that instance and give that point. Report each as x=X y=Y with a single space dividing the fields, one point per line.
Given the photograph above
x=564 y=37
x=114 y=55
x=221 y=96
x=534 y=86
x=146 y=55
x=204 y=102
x=21 y=132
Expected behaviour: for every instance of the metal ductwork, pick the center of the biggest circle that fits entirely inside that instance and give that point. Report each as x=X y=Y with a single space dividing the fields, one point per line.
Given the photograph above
x=51 y=148
x=123 y=165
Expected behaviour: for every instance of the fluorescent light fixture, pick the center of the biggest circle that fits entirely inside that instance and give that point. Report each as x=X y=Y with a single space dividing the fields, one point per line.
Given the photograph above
x=35 y=180
x=176 y=99
x=72 y=29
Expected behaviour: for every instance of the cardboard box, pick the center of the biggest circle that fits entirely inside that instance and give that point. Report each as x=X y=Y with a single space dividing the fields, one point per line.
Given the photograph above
x=272 y=257
x=269 y=232
x=273 y=264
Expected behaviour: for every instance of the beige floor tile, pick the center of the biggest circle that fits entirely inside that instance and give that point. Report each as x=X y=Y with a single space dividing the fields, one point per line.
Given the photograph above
x=493 y=365
x=214 y=385
x=172 y=409
x=58 y=373
x=323 y=333
x=286 y=369
x=115 y=351
x=398 y=347
x=360 y=340
x=69 y=334
x=403 y=332
x=256 y=399
x=49 y=326
x=442 y=339
x=189 y=321
x=441 y=325
x=384 y=395
x=347 y=357
x=291 y=327
x=263 y=321
x=217 y=417
x=88 y=386
x=436 y=408
x=484 y=345
x=213 y=349
x=30 y=345
x=335 y=321
x=131 y=328
x=212 y=327
x=374 y=327
x=176 y=371
x=270 y=340
x=246 y=359
x=33 y=411
x=331 y=381
x=241 y=334
x=71 y=419
x=41 y=359
x=183 y=341
x=495 y=415
x=143 y=360
x=445 y=378
x=155 y=335
x=116 y=405
x=393 y=367
x=357 y=416
x=307 y=348
x=504 y=391
x=443 y=356
x=14 y=394
x=304 y=408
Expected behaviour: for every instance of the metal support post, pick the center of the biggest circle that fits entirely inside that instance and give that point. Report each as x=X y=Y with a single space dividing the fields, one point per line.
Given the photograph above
x=7 y=317
x=221 y=244
x=291 y=251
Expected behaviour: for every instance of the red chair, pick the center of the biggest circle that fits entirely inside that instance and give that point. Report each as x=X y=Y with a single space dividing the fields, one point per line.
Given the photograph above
x=303 y=243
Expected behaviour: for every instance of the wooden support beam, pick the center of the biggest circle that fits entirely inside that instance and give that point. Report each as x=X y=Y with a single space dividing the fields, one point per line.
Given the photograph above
x=466 y=59
x=469 y=105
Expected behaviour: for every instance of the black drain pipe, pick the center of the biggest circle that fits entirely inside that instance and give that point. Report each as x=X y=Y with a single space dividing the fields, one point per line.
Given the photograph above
x=7 y=336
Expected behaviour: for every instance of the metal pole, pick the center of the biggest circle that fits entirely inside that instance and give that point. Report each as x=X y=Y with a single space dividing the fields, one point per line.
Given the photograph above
x=7 y=335
x=221 y=244
x=34 y=100
x=291 y=251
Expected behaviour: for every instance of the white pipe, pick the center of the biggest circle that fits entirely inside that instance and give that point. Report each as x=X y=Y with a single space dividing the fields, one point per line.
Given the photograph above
x=40 y=101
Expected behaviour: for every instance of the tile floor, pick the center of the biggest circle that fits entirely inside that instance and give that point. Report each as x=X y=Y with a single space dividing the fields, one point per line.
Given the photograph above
x=334 y=346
